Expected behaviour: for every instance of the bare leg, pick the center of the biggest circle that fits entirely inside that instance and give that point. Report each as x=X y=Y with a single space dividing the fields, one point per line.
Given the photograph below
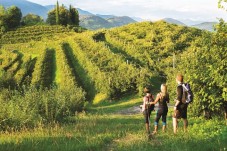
x=147 y=128
x=163 y=128
x=155 y=129
x=175 y=124
x=185 y=124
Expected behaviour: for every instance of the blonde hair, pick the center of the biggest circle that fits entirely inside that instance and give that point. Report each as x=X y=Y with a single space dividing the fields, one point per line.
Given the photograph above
x=163 y=90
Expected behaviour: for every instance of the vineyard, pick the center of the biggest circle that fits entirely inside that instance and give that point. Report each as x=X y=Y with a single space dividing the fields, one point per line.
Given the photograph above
x=35 y=33
x=49 y=73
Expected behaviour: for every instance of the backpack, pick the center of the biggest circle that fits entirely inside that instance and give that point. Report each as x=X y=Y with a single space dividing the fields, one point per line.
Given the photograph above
x=187 y=93
x=150 y=99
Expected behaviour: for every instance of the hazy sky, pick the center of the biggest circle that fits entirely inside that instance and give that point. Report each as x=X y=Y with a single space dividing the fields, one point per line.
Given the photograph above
x=204 y=10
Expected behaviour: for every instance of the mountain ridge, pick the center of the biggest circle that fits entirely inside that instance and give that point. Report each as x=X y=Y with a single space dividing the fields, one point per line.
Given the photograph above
x=87 y=19
x=206 y=26
x=97 y=21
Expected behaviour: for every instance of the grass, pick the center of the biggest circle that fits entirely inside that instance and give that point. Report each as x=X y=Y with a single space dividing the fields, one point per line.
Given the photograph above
x=106 y=106
x=100 y=128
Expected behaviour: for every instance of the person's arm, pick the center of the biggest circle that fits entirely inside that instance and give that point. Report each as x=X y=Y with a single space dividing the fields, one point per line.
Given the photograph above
x=144 y=101
x=156 y=100
x=179 y=97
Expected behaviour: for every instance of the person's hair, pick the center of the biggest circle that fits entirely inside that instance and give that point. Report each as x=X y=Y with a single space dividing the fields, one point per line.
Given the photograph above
x=163 y=90
x=180 y=78
x=146 y=90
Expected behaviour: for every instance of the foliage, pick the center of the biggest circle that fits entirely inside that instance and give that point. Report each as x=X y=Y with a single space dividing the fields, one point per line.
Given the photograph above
x=37 y=33
x=10 y=18
x=37 y=107
x=73 y=16
x=65 y=16
x=122 y=61
x=208 y=55
x=31 y=19
x=57 y=14
x=109 y=65
x=149 y=44
x=221 y=4
x=51 y=19
x=102 y=131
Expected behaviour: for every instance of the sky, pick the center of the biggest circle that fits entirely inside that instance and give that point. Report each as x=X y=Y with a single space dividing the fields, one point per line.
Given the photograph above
x=196 y=10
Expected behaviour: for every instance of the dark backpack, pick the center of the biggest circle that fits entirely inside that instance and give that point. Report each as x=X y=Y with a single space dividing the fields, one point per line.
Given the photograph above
x=150 y=99
x=188 y=93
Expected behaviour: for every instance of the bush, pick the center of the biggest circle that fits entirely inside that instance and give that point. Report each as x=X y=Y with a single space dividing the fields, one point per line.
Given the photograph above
x=32 y=107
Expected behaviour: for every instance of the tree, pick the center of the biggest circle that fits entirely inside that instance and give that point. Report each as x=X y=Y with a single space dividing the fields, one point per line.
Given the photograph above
x=13 y=17
x=31 y=19
x=221 y=4
x=73 y=16
x=57 y=14
x=63 y=16
x=3 y=25
x=2 y=11
x=51 y=19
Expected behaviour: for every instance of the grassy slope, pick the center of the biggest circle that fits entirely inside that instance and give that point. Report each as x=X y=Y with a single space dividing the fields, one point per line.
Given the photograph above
x=103 y=129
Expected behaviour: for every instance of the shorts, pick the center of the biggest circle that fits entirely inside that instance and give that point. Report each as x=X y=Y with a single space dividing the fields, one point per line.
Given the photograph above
x=181 y=111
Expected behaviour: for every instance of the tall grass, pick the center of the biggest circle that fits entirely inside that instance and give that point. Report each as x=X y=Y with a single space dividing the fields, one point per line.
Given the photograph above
x=31 y=107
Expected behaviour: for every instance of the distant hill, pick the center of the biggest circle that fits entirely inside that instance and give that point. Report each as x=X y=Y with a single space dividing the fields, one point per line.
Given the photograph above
x=105 y=16
x=138 y=19
x=120 y=21
x=206 y=26
x=26 y=7
x=83 y=12
x=190 y=22
x=94 y=22
x=87 y=19
x=173 y=21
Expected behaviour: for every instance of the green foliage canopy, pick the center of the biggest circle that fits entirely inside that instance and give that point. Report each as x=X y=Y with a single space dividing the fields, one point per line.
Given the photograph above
x=9 y=18
x=32 y=19
x=66 y=16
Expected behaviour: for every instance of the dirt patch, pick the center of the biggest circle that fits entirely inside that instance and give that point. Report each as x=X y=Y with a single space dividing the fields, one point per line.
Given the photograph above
x=130 y=111
x=135 y=110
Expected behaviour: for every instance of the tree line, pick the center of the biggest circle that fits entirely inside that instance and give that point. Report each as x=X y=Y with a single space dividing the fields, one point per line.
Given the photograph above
x=12 y=17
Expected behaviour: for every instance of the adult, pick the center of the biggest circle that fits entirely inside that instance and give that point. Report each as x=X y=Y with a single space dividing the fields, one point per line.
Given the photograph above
x=180 y=108
x=147 y=108
x=162 y=98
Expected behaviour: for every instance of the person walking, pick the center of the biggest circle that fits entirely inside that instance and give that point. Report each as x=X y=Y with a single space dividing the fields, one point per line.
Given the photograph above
x=162 y=98
x=180 y=108
x=147 y=108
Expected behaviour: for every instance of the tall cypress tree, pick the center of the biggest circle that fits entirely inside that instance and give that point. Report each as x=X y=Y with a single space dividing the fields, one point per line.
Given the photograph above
x=70 y=15
x=77 y=19
x=57 y=13
x=73 y=16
